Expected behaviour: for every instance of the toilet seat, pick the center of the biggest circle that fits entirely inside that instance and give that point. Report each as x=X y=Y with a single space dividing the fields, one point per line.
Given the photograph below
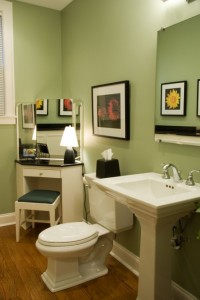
x=68 y=234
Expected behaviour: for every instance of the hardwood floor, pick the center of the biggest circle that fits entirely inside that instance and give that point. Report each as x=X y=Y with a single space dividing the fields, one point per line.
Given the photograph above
x=21 y=266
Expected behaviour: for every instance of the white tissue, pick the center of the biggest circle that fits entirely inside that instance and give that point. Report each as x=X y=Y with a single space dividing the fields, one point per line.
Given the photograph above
x=107 y=154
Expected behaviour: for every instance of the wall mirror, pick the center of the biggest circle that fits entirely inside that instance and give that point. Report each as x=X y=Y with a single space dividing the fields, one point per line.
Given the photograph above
x=177 y=117
x=50 y=118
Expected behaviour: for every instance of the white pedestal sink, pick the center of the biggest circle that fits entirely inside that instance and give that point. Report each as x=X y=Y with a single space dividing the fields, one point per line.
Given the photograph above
x=157 y=203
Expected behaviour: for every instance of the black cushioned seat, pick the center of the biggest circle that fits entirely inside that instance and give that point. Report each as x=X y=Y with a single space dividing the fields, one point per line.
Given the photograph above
x=39 y=196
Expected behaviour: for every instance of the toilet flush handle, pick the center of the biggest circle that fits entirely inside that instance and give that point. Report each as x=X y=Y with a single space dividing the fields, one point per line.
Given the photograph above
x=85 y=182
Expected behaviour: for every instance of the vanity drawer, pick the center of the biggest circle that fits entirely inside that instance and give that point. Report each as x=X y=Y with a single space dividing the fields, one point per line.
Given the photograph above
x=41 y=173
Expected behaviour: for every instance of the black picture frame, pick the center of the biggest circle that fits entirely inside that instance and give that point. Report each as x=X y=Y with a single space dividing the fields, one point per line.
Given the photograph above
x=173 y=98
x=198 y=97
x=42 y=107
x=65 y=107
x=110 y=110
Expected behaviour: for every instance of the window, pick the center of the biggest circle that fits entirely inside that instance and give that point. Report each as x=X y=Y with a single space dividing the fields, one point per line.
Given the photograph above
x=7 y=102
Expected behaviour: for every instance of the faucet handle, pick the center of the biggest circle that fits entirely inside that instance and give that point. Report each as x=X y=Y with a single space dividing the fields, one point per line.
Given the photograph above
x=190 y=179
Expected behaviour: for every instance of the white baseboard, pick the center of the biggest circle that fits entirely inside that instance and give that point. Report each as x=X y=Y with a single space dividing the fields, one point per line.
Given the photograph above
x=7 y=219
x=131 y=261
x=179 y=293
x=127 y=258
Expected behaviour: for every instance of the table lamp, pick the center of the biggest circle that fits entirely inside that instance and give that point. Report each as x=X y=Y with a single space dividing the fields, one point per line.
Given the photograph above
x=69 y=140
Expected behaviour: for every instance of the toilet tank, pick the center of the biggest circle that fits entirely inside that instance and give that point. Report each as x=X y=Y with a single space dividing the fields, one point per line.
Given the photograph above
x=105 y=211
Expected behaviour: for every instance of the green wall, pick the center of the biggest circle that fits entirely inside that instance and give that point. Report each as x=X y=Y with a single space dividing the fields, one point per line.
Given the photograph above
x=93 y=42
x=7 y=168
x=37 y=57
x=37 y=48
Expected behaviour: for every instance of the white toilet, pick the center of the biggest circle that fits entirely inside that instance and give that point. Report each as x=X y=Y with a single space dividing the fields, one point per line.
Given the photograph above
x=77 y=251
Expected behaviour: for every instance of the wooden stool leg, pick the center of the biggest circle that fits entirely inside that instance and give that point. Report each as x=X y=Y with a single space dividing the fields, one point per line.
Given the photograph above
x=33 y=217
x=17 y=214
x=52 y=217
x=60 y=212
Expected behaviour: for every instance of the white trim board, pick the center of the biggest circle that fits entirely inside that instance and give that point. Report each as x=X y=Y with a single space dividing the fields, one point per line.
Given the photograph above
x=126 y=258
x=7 y=219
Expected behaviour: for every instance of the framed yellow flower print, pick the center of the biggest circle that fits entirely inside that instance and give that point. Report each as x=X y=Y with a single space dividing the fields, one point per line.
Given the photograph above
x=173 y=98
x=42 y=107
x=198 y=97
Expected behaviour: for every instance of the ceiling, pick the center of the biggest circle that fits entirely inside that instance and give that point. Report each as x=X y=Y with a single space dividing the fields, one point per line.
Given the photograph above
x=54 y=4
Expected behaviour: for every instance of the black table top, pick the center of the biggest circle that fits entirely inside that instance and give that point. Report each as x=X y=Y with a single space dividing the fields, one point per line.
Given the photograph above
x=47 y=162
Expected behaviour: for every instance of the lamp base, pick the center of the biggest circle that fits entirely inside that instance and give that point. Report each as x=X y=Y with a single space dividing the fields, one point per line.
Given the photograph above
x=69 y=157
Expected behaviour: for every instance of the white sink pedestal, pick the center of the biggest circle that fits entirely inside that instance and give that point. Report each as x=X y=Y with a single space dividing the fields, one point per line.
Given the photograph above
x=155 y=256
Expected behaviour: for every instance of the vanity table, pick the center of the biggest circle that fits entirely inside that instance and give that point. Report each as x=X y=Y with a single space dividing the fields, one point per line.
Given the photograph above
x=53 y=174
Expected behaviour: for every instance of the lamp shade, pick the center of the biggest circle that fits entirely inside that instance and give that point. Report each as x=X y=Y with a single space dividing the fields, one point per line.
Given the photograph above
x=69 y=138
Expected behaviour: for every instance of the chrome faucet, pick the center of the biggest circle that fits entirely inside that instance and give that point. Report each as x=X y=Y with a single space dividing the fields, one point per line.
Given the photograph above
x=176 y=173
x=190 y=179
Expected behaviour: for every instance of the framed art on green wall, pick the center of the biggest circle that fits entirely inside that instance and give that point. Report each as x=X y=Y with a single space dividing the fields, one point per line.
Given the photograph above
x=65 y=107
x=42 y=107
x=110 y=110
x=173 y=98
x=198 y=97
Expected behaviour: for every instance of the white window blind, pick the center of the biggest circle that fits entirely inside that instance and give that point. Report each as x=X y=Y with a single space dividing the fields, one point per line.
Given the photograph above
x=7 y=94
x=2 y=87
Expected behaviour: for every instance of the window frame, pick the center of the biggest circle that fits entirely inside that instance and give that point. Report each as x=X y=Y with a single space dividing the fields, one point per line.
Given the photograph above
x=8 y=46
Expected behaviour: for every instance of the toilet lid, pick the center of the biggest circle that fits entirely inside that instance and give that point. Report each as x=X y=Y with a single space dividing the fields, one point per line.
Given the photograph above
x=68 y=234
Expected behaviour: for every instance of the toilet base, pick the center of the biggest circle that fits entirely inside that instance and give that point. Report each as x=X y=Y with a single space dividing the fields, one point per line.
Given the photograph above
x=70 y=282
x=66 y=272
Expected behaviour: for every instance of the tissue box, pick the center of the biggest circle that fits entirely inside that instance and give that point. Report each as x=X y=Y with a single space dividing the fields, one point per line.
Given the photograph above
x=107 y=168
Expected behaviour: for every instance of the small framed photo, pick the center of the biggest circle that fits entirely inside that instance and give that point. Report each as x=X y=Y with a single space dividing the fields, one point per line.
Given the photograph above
x=198 y=97
x=42 y=107
x=28 y=115
x=173 y=98
x=110 y=110
x=65 y=107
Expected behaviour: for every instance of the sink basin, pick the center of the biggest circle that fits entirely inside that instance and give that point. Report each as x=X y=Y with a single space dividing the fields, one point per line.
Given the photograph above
x=152 y=188
x=149 y=188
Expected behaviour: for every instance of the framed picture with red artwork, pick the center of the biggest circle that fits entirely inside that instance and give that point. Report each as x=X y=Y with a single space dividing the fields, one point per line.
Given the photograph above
x=65 y=107
x=110 y=110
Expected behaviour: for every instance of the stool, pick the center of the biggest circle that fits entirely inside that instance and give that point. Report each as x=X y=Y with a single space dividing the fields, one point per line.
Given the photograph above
x=37 y=200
